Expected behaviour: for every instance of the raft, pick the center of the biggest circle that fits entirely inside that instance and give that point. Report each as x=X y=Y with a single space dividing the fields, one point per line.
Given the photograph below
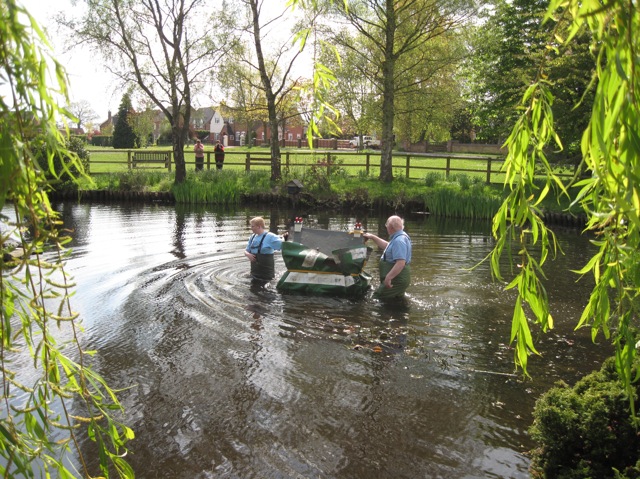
x=325 y=262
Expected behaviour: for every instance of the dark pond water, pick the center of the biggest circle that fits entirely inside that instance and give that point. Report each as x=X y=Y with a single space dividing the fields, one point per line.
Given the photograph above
x=232 y=380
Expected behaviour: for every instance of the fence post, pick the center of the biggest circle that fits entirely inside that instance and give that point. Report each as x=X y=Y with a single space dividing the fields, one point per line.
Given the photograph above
x=129 y=159
x=208 y=160
x=448 y=167
x=170 y=155
x=247 y=162
x=286 y=160
x=488 y=170
x=328 y=164
x=367 y=164
x=408 y=167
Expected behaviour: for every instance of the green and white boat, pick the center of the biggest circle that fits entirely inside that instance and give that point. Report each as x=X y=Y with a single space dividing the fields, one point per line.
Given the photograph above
x=325 y=262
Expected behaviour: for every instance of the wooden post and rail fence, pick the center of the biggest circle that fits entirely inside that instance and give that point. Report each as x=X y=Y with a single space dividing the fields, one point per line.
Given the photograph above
x=412 y=165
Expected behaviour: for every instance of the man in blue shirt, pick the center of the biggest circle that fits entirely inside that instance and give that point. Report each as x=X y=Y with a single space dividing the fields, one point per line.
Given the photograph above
x=395 y=272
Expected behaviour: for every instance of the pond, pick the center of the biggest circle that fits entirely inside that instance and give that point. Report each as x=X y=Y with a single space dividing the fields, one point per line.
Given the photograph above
x=226 y=378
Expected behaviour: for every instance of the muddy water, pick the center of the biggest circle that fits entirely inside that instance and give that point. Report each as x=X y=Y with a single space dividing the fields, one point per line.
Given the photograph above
x=230 y=379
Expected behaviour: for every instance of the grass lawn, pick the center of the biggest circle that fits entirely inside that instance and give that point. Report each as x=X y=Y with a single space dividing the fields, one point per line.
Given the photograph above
x=345 y=178
x=353 y=163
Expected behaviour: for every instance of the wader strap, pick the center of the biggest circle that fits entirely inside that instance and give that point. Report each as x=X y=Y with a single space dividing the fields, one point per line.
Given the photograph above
x=384 y=253
x=259 y=245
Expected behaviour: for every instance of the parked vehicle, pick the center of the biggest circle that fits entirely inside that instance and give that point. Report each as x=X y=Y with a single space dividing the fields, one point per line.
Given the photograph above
x=367 y=142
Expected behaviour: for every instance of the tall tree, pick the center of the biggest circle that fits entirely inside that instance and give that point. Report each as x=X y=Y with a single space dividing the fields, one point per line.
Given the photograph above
x=394 y=30
x=83 y=111
x=163 y=47
x=123 y=134
x=274 y=65
x=353 y=93
x=507 y=51
x=429 y=94
x=241 y=87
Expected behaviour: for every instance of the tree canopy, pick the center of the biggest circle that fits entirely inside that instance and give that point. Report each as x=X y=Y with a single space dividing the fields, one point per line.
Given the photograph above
x=508 y=50
x=123 y=134
x=271 y=59
x=397 y=35
x=164 y=48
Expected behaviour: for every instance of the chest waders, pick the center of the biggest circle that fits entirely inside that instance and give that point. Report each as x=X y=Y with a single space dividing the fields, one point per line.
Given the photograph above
x=400 y=283
x=263 y=268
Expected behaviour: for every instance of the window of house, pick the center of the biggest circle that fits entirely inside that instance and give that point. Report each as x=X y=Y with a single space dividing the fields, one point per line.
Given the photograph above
x=217 y=120
x=231 y=137
x=298 y=136
x=290 y=136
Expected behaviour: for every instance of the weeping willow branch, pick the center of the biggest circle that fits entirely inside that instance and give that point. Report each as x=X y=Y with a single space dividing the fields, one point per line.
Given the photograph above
x=38 y=429
x=610 y=195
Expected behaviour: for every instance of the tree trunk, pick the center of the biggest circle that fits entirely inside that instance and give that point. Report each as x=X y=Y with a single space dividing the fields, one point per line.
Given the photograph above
x=179 y=137
x=275 y=144
x=269 y=94
x=388 y=112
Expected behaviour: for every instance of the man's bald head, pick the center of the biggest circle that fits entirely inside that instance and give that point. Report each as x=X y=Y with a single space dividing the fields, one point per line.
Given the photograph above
x=395 y=223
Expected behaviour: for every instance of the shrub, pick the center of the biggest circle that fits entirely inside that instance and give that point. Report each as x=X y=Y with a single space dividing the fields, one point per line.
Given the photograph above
x=133 y=181
x=586 y=431
x=432 y=178
x=318 y=177
x=63 y=170
x=102 y=140
x=464 y=181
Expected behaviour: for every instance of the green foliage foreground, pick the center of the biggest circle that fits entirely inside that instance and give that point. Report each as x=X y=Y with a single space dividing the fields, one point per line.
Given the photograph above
x=609 y=193
x=586 y=431
x=47 y=410
x=582 y=433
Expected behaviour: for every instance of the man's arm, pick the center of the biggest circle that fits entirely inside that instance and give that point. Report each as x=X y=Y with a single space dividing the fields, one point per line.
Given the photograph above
x=398 y=266
x=382 y=244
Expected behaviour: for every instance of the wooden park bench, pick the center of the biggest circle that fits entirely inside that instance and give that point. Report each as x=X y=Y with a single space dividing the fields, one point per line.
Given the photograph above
x=151 y=157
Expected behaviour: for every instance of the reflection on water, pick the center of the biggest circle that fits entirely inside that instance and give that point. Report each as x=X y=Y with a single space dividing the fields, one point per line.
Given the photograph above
x=228 y=378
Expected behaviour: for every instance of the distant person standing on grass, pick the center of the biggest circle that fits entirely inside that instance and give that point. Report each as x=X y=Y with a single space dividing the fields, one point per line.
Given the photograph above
x=218 y=152
x=395 y=272
x=199 y=151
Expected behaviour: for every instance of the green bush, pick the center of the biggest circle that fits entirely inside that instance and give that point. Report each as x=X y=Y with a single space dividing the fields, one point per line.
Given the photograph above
x=133 y=180
x=464 y=181
x=63 y=171
x=318 y=178
x=102 y=140
x=432 y=178
x=586 y=431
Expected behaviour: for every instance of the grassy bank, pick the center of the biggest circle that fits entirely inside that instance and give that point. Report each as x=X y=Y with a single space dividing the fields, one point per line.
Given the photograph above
x=457 y=196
